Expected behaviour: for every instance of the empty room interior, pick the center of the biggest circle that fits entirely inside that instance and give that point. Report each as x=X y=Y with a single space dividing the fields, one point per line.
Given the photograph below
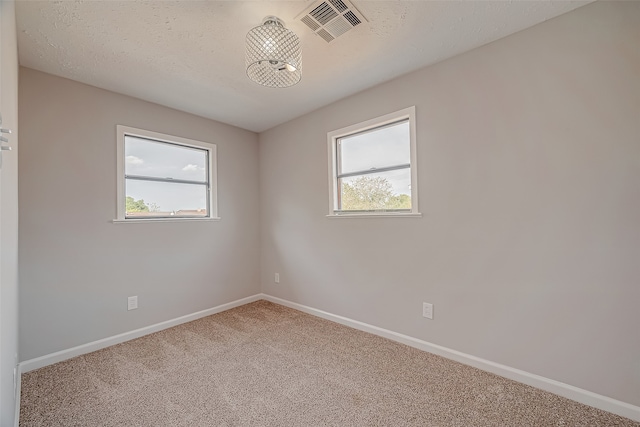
x=320 y=213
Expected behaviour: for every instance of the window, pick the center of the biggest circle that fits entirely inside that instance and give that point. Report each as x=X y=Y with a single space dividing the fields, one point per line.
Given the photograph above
x=163 y=177
x=372 y=167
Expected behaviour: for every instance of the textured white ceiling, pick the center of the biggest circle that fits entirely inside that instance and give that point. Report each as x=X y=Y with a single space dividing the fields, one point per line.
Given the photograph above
x=189 y=55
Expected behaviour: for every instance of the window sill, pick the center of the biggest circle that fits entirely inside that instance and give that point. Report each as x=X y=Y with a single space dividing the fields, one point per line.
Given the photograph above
x=139 y=220
x=376 y=215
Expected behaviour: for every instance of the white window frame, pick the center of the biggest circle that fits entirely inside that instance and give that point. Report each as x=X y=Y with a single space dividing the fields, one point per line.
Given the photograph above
x=378 y=122
x=123 y=131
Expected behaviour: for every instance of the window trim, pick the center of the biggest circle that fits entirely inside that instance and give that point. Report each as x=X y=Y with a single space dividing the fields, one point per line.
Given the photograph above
x=212 y=189
x=366 y=126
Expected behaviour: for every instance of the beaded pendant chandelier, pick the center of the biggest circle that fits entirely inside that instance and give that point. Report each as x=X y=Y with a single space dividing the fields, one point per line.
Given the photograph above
x=273 y=54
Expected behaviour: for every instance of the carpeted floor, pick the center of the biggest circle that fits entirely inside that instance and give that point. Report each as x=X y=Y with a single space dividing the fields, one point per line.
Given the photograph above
x=267 y=365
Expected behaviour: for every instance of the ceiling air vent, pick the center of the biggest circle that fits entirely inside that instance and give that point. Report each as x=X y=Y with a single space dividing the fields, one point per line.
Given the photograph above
x=331 y=18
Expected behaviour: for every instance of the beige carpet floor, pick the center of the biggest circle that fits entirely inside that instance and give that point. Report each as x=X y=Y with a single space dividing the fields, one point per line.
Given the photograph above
x=267 y=365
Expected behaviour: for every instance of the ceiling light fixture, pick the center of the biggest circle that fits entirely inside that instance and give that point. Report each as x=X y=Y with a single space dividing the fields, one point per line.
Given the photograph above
x=273 y=54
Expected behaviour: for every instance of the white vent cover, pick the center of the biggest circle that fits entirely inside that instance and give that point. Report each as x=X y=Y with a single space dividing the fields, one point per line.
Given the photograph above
x=331 y=18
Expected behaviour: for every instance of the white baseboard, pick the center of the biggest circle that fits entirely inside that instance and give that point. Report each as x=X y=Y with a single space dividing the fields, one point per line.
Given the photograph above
x=18 y=388
x=50 y=359
x=565 y=390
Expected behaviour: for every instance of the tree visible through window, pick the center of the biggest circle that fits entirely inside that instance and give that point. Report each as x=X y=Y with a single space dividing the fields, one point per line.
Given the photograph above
x=373 y=166
x=161 y=176
x=136 y=205
x=372 y=193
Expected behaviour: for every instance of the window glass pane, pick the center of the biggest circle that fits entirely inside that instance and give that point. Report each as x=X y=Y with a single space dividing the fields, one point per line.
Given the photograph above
x=165 y=199
x=376 y=191
x=387 y=146
x=156 y=159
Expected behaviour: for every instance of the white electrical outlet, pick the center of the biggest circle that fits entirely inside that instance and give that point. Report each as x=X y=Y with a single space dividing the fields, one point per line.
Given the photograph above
x=132 y=303
x=427 y=310
x=277 y=278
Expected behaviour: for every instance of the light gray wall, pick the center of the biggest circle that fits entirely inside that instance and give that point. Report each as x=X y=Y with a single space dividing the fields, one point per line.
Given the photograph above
x=529 y=184
x=8 y=214
x=77 y=267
